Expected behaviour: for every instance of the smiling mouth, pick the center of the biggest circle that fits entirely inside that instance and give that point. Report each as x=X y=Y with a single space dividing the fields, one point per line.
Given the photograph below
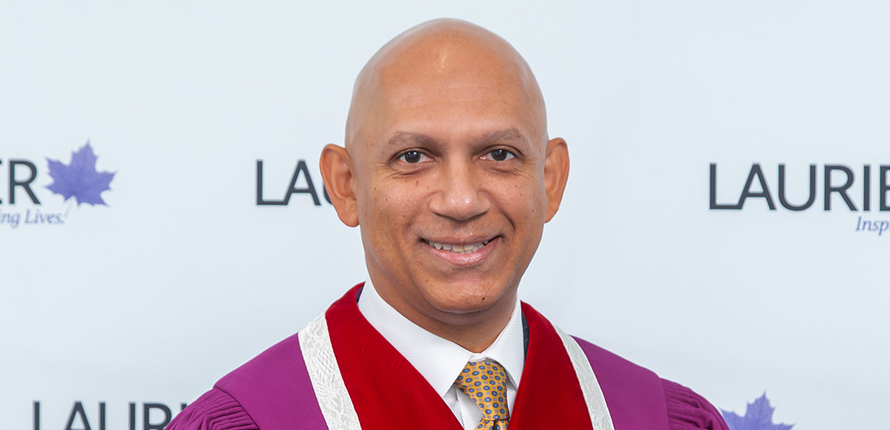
x=458 y=249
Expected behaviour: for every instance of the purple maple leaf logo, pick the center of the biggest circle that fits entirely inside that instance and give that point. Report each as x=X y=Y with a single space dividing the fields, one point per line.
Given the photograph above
x=79 y=178
x=758 y=416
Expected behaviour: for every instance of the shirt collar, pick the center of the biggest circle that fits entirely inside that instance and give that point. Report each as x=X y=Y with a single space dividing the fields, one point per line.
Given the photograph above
x=439 y=360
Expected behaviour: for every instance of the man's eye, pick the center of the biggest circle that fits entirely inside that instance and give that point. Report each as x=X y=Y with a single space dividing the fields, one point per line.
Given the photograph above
x=500 y=155
x=412 y=157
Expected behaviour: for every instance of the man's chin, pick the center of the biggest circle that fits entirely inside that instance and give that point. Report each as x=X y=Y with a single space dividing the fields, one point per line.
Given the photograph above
x=470 y=305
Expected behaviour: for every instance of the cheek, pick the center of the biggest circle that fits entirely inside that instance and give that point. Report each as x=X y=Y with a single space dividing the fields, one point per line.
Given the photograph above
x=523 y=202
x=392 y=204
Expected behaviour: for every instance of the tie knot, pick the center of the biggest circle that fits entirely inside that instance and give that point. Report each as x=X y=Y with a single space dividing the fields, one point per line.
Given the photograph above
x=486 y=383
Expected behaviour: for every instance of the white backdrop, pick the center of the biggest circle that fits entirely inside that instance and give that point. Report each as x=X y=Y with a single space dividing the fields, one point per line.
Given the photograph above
x=181 y=277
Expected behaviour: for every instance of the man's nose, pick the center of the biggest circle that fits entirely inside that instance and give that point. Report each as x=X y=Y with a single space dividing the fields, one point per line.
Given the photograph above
x=461 y=195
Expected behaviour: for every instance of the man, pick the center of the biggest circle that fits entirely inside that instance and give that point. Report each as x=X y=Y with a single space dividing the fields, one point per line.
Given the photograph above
x=450 y=174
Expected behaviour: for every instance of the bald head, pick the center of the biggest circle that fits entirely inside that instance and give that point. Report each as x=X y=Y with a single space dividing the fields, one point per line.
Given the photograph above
x=443 y=55
x=449 y=173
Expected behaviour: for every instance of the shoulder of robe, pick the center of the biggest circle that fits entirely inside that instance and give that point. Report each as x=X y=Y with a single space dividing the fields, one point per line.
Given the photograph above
x=215 y=410
x=688 y=411
x=227 y=405
x=272 y=391
x=638 y=398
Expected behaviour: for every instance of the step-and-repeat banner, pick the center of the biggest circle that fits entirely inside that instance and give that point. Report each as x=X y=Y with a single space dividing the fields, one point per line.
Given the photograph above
x=163 y=219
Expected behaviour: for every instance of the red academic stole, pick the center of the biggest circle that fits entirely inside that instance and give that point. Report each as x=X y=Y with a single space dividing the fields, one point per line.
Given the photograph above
x=549 y=396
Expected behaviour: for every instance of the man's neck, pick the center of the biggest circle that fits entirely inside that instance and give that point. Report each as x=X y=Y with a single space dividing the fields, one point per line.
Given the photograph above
x=437 y=358
x=474 y=331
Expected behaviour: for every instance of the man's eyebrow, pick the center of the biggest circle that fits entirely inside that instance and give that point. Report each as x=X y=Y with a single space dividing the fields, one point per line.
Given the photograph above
x=509 y=134
x=405 y=138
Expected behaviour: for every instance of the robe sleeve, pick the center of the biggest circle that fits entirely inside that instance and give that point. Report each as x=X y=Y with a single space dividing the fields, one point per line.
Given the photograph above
x=215 y=410
x=689 y=411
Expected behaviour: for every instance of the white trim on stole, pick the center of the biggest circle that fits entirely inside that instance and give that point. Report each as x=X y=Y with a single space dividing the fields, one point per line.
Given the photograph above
x=593 y=394
x=324 y=372
x=339 y=412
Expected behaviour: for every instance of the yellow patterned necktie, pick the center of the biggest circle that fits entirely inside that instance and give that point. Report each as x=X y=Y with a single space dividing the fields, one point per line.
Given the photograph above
x=486 y=383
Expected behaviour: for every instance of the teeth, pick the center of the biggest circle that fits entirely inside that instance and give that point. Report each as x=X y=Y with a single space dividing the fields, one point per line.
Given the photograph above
x=460 y=249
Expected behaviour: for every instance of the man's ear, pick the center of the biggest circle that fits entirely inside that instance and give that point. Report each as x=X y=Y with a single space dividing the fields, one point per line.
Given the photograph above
x=556 y=173
x=339 y=180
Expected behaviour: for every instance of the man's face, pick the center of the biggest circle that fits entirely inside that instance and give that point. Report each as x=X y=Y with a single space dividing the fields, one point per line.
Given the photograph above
x=450 y=194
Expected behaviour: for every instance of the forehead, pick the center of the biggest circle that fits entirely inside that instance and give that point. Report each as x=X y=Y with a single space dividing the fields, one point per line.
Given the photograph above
x=455 y=86
x=444 y=77
x=447 y=61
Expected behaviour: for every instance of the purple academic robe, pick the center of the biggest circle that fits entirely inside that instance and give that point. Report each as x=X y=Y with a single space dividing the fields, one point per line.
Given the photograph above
x=273 y=391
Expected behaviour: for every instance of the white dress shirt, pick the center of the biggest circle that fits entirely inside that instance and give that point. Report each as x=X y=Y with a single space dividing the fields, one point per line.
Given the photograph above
x=439 y=360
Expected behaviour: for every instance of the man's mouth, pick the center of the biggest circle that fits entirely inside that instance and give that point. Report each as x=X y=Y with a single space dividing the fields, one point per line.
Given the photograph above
x=458 y=249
